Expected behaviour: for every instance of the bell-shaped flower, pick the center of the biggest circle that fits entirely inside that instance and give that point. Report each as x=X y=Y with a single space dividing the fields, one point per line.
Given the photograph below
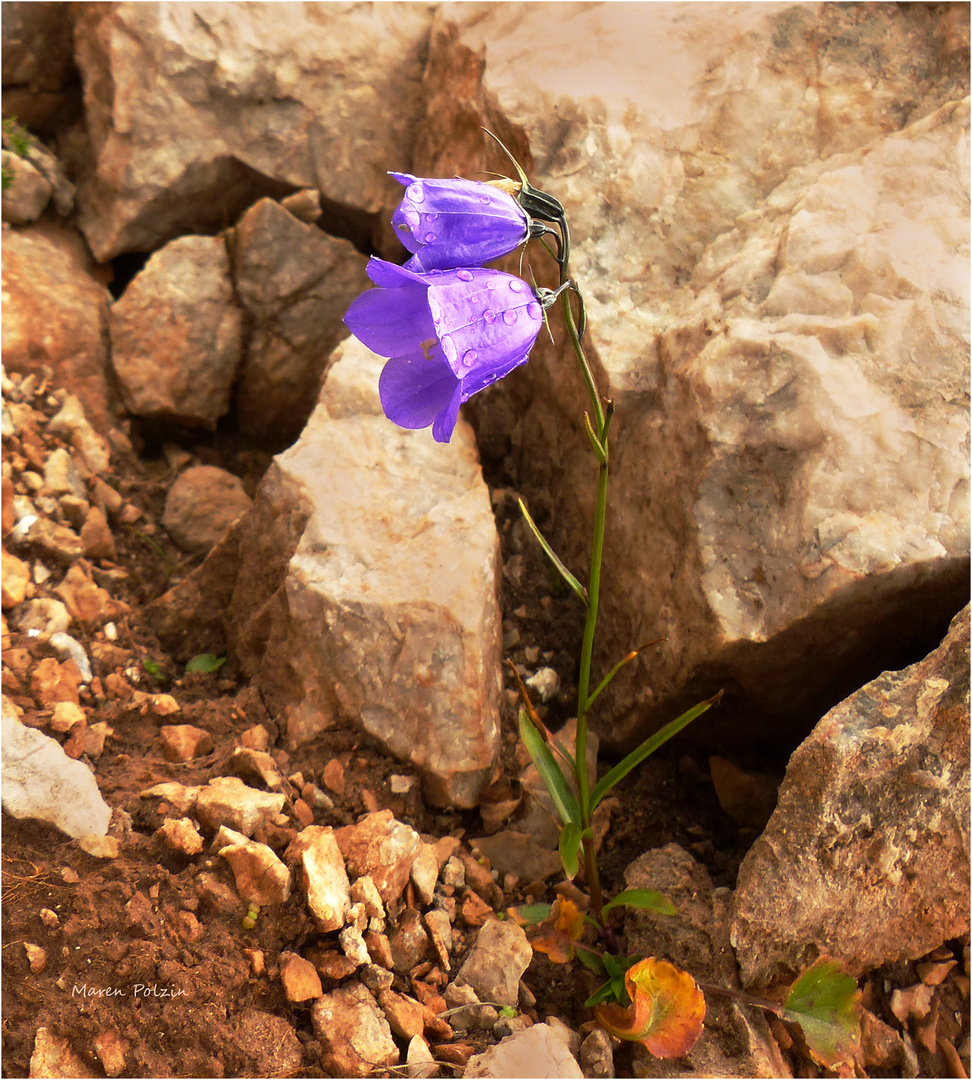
x=447 y=224
x=447 y=334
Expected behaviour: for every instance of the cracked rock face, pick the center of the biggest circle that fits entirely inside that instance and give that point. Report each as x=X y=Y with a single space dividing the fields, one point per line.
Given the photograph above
x=866 y=859
x=368 y=587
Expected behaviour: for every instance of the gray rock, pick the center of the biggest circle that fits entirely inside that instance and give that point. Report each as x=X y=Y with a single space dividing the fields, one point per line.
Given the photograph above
x=498 y=957
x=866 y=858
x=597 y=1055
x=355 y=1036
x=41 y=781
x=370 y=595
x=176 y=334
x=201 y=506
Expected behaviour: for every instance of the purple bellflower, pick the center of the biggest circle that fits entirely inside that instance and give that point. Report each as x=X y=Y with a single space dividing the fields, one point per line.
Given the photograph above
x=448 y=335
x=447 y=224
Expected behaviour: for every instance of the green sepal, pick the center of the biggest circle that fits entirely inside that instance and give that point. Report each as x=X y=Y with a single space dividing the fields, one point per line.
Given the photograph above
x=826 y=1004
x=540 y=754
x=570 y=841
x=648 y=747
x=553 y=556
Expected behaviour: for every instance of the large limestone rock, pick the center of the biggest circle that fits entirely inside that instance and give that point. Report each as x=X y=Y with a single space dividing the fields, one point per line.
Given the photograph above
x=770 y=225
x=196 y=110
x=176 y=334
x=367 y=589
x=55 y=314
x=295 y=284
x=866 y=859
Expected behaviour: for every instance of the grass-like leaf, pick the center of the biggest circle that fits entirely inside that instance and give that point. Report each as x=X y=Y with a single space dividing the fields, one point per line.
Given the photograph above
x=605 y=682
x=570 y=841
x=826 y=1003
x=643 y=899
x=542 y=757
x=552 y=555
x=648 y=747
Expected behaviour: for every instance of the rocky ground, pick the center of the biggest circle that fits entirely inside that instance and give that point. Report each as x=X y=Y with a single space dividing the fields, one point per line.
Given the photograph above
x=370 y=948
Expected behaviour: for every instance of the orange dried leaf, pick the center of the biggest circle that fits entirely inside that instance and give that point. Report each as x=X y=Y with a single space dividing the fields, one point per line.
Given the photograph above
x=559 y=932
x=666 y=1012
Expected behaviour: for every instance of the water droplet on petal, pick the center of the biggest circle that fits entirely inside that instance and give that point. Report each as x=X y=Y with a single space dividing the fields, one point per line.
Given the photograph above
x=490 y=284
x=469 y=357
x=415 y=192
x=464 y=275
x=516 y=285
x=429 y=237
x=533 y=310
x=509 y=316
x=485 y=200
x=489 y=317
x=431 y=217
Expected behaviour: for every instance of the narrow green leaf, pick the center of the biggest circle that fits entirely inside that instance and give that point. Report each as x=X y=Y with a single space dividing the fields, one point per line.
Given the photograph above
x=826 y=1003
x=570 y=840
x=552 y=555
x=643 y=900
x=563 y=798
x=590 y=960
x=603 y=684
x=602 y=994
x=648 y=747
x=205 y=663
x=612 y=967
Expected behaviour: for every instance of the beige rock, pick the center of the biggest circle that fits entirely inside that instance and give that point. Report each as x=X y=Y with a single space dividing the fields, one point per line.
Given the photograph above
x=36 y=957
x=537 y=1051
x=250 y=764
x=355 y=1036
x=191 y=171
x=180 y=834
x=71 y=424
x=228 y=801
x=261 y=878
x=45 y=615
x=87 y=602
x=53 y=1057
x=97 y=537
x=94 y=739
x=322 y=875
x=364 y=891
x=382 y=848
x=180 y=797
x=175 y=334
x=100 y=847
x=29 y=191
x=425 y=873
x=66 y=714
x=866 y=858
x=15 y=579
x=419 y=1059
x=440 y=934
x=299 y=977
x=296 y=284
x=201 y=505
x=56 y=315
x=366 y=600
x=791 y=388
x=51 y=682
x=405 y=1015
x=497 y=960
x=470 y=1012
x=112 y=1050
x=408 y=942
x=183 y=742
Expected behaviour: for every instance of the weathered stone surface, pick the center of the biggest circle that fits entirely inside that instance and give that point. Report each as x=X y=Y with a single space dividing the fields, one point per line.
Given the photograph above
x=295 y=284
x=382 y=848
x=41 y=781
x=299 y=977
x=328 y=100
x=228 y=801
x=56 y=314
x=354 y=1034
x=202 y=505
x=15 y=579
x=736 y=1041
x=181 y=835
x=261 y=878
x=270 y=1043
x=54 y=1057
x=183 y=742
x=176 y=334
x=512 y=852
x=322 y=875
x=496 y=962
x=38 y=63
x=367 y=587
x=536 y=1052
x=408 y=942
x=866 y=858
x=790 y=456
x=28 y=193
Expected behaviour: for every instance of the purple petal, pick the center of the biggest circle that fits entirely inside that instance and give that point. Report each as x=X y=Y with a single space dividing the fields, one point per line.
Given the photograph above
x=392 y=321
x=445 y=422
x=415 y=392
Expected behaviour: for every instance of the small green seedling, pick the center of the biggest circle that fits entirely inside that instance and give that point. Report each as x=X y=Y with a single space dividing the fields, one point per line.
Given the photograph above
x=205 y=663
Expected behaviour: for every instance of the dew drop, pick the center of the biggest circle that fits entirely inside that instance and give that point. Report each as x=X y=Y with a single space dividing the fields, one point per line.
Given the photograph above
x=430 y=237
x=416 y=192
x=485 y=200
x=490 y=284
x=469 y=357
x=431 y=217
x=464 y=275
x=516 y=285
x=489 y=317
x=533 y=310
x=509 y=316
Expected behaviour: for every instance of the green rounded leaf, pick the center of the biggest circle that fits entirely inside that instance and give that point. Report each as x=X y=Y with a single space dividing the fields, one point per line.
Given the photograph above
x=643 y=900
x=826 y=1004
x=205 y=663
